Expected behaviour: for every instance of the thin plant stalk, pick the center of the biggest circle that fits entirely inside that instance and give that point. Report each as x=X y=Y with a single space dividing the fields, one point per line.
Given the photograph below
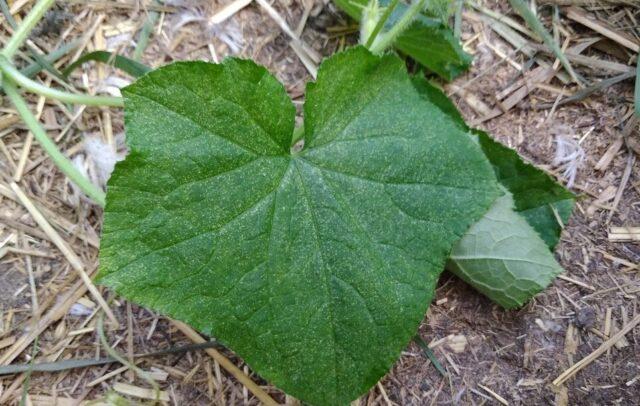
x=62 y=162
x=27 y=379
x=457 y=22
x=32 y=69
x=538 y=28
x=114 y=354
x=637 y=94
x=35 y=67
x=381 y=22
x=145 y=34
x=21 y=33
x=388 y=38
x=40 y=59
x=14 y=74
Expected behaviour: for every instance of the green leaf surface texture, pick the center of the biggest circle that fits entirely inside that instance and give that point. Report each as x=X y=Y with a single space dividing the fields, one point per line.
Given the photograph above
x=315 y=266
x=427 y=40
x=502 y=255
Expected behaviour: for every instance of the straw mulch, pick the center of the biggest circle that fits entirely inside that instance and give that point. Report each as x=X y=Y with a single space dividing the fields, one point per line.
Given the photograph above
x=489 y=355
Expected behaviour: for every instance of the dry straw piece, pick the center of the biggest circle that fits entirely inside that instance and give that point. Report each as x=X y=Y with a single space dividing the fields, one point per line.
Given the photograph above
x=569 y=373
x=73 y=259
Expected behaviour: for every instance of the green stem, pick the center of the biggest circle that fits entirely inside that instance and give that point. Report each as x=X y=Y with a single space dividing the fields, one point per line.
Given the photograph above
x=33 y=52
x=115 y=354
x=457 y=25
x=381 y=22
x=145 y=34
x=35 y=67
x=532 y=21
x=11 y=72
x=21 y=34
x=62 y=162
x=298 y=133
x=637 y=93
x=32 y=69
x=390 y=36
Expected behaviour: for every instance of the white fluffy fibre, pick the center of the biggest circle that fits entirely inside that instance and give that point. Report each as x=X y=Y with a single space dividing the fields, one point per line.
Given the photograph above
x=569 y=156
x=78 y=310
x=228 y=31
x=97 y=162
x=112 y=85
x=104 y=158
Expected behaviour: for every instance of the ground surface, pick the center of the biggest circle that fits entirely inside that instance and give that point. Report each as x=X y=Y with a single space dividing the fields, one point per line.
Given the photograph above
x=515 y=354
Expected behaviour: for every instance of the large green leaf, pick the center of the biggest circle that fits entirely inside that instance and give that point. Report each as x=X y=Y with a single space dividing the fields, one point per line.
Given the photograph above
x=315 y=266
x=503 y=257
x=427 y=40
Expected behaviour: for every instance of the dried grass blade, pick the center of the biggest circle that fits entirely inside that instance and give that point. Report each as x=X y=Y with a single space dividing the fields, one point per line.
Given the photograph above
x=73 y=259
x=598 y=352
x=228 y=365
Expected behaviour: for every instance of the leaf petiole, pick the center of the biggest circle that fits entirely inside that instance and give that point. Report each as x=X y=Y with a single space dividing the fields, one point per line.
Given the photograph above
x=62 y=162
x=22 y=32
x=388 y=38
x=380 y=23
x=14 y=74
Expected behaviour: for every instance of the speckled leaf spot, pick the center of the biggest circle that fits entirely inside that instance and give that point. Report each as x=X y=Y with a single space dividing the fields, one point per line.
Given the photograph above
x=315 y=266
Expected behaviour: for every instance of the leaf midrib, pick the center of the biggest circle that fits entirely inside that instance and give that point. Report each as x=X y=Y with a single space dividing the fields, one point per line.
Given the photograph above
x=328 y=288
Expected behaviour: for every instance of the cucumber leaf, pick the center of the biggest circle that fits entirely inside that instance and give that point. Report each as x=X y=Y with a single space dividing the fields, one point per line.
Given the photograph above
x=427 y=40
x=315 y=265
x=503 y=257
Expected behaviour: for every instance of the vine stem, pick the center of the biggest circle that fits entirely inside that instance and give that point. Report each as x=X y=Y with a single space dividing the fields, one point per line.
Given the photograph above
x=381 y=22
x=115 y=354
x=22 y=32
x=14 y=74
x=62 y=162
x=387 y=39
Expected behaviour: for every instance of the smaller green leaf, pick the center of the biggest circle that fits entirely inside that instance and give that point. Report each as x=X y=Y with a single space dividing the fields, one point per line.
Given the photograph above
x=503 y=257
x=427 y=40
x=538 y=197
x=133 y=68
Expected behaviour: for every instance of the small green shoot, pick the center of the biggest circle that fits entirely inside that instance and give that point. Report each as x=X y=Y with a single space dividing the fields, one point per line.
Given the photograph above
x=130 y=66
